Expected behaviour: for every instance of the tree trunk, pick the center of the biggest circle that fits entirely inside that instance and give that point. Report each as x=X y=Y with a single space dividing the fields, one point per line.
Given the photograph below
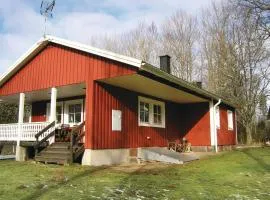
x=248 y=134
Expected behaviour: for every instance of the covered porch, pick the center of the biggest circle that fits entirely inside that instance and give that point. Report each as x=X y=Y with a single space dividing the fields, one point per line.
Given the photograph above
x=55 y=114
x=155 y=111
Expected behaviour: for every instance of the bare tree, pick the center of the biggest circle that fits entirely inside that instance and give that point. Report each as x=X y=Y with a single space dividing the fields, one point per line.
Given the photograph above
x=261 y=12
x=179 y=37
x=142 y=42
x=237 y=59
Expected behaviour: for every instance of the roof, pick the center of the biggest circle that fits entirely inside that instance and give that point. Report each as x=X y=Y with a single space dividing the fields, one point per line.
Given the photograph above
x=185 y=84
x=141 y=65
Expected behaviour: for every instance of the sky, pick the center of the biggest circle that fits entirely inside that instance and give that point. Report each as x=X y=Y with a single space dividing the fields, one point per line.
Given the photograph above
x=21 y=24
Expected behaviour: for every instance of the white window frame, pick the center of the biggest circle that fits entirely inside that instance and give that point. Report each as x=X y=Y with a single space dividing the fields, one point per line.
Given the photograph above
x=217 y=117
x=67 y=104
x=230 y=119
x=151 y=103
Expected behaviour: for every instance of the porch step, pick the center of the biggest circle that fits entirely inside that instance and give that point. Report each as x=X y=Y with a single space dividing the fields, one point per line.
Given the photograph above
x=54 y=160
x=60 y=145
x=61 y=154
x=58 y=153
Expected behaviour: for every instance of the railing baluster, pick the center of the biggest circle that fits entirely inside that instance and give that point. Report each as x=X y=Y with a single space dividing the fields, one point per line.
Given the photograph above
x=8 y=132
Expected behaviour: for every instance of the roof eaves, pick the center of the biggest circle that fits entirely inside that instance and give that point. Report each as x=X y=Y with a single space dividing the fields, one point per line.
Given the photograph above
x=22 y=60
x=157 y=72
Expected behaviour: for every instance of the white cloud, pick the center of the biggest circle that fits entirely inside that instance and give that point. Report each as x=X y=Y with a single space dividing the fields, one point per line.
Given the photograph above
x=22 y=24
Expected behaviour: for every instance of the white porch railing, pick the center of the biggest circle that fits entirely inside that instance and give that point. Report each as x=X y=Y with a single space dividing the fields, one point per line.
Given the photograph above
x=10 y=132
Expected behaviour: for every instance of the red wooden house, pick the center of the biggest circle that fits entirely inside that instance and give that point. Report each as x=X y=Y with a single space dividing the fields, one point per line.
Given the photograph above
x=119 y=104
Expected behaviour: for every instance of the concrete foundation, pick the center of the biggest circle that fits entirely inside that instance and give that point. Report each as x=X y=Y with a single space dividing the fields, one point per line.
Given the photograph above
x=105 y=157
x=21 y=153
x=212 y=148
x=162 y=154
x=202 y=148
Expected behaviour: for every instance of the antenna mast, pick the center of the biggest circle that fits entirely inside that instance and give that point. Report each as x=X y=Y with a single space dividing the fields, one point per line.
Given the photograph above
x=46 y=9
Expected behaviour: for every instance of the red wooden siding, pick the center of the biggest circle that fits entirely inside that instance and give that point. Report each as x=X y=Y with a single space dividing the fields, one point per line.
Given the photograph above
x=39 y=112
x=190 y=121
x=58 y=66
x=225 y=136
x=196 y=123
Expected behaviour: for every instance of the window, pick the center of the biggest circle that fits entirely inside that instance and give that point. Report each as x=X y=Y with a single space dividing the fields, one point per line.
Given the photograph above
x=151 y=112
x=144 y=112
x=157 y=114
x=68 y=112
x=217 y=117
x=59 y=114
x=230 y=119
x=74 y=113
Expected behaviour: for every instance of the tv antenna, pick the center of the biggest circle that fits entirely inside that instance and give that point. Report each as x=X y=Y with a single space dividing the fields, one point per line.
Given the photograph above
x=46 y=9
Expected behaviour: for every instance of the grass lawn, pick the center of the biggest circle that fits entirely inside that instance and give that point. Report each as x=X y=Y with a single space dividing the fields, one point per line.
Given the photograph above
x=242 y=174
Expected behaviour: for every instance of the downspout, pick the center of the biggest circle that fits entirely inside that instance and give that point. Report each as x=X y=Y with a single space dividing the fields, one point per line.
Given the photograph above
x=215 y=127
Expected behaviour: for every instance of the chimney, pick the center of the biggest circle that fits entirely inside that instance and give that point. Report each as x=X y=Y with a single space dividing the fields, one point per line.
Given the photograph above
x=165 y=63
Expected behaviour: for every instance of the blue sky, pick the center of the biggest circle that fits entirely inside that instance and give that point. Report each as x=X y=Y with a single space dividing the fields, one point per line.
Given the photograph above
x=21 y=25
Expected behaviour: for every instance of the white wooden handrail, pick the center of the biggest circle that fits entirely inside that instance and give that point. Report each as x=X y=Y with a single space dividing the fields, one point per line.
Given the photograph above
x=9 y=132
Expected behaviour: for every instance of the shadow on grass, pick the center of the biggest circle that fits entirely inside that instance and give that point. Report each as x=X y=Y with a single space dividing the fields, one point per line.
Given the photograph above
x=40 y=192
x=258 y=159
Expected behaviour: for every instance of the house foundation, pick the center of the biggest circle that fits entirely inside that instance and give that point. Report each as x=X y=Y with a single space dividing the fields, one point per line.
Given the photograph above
x=135 y=155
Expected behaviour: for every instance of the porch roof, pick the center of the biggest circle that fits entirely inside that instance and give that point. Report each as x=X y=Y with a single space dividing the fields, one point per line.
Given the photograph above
x=157 y=74
x=63 y=92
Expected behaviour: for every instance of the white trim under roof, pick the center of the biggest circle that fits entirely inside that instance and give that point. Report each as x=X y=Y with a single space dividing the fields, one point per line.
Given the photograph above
x=36 y=48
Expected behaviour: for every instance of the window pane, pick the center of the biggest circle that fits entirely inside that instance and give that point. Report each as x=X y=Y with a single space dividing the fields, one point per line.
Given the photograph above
x=146 y=118
x=155 y=119
x=230 y=120
x=71 y=118
x=77 y=117
x=157 y=109
x=78 y=108
x=142 y=116
x=58 y=109
x=141 y=106
x=159 y=119
x=71 y=109
x=144 y=112
x=58 y=118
